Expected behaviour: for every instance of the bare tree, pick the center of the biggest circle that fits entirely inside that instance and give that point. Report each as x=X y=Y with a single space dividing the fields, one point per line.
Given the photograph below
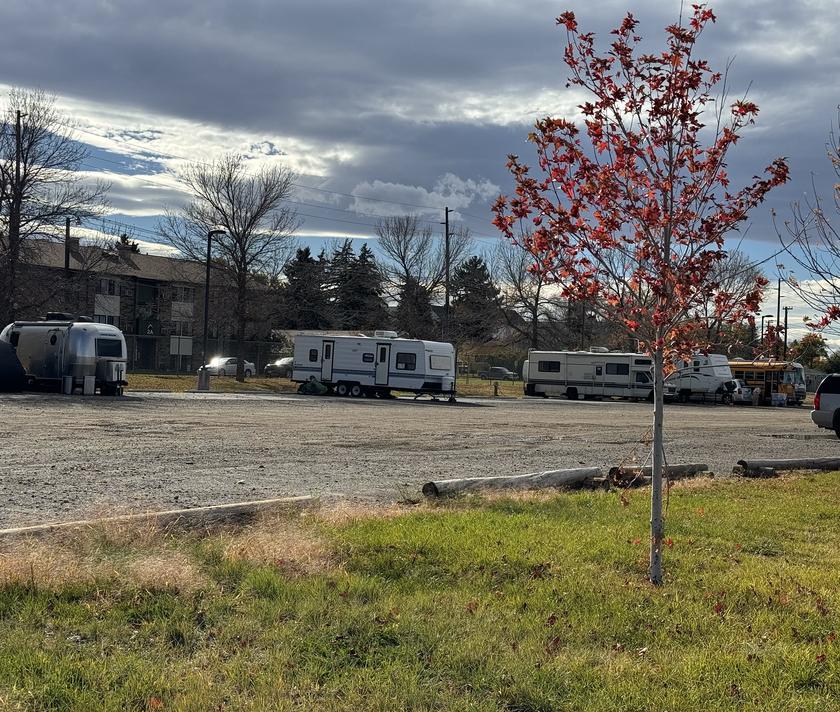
x=39 y=185
x=813 y=241
x=258 y=229
x=525 y=290
x=413 y=252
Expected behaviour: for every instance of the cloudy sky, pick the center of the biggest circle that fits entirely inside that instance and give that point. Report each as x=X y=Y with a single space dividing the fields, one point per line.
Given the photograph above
x=385 y=107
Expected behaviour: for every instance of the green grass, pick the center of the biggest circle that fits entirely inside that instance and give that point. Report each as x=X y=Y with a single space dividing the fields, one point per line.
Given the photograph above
x=521 y=603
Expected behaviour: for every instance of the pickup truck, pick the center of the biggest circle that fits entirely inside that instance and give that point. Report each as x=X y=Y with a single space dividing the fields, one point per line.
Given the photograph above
x=497 y=373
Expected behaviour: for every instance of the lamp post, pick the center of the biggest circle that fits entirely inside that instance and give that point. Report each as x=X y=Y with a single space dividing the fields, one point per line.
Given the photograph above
x=203 y=375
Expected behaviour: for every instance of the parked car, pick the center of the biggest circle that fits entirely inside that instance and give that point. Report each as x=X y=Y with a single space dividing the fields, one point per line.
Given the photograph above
x=498 y=373
x=735 y=391
x=826 y=413
x=226 y=366
x=281 y=368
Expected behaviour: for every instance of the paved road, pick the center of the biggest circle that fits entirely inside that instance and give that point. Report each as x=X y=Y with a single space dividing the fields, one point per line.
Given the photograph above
x=62 y=457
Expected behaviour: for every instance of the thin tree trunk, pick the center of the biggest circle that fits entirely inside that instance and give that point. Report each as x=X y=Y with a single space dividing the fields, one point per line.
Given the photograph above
x=656 y=523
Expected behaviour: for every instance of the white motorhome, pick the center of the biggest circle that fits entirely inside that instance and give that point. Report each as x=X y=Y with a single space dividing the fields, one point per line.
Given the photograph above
x=64 y=352
x=701 y=375
x=596 y=373
x=375 y=365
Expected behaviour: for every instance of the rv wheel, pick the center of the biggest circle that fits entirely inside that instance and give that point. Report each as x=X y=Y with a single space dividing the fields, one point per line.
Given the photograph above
x=341 y=389
x=355 y=390
x=571 y=393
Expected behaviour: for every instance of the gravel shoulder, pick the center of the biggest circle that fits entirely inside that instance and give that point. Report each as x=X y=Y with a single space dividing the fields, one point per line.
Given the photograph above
x=65 y=458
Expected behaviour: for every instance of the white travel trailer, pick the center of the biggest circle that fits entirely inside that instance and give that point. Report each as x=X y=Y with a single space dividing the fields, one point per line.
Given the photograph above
x=598 y=373
x=67 y=353
x=703 y=375
x=375 y=365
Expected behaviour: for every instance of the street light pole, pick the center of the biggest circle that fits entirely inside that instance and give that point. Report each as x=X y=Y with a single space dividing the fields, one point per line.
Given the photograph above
x=203 y=376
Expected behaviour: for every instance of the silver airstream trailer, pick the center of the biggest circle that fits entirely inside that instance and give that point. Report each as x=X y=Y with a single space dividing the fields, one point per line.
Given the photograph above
x=70 y=353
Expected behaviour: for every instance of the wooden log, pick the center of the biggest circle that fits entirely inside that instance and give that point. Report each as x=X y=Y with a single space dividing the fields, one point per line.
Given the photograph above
x=758 y=472
x=673 y=472
x=537 y=480
x=180 y=519
x=801 y=463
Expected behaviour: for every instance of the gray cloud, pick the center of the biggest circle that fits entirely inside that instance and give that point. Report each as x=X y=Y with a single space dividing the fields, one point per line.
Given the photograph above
x=400 y=94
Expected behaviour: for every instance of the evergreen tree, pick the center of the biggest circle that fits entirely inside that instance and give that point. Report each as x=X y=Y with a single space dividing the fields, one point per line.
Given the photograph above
x=366 y=302
x=475 y=302
x=414 y=312
x=355 y=289
x=304 y=299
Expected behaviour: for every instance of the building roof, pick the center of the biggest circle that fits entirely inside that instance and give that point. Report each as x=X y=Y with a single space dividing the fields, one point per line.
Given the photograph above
x=119 y=261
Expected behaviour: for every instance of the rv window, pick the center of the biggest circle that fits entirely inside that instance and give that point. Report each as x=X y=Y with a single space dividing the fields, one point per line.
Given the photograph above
x=53 y=339
x=440 y=363
x=642 y=362
x=642 y=377
x=367 y=358
x=599 y=371
x=327 y=352
x=696 y=367
x=618 y=369
x=406 y=362
x=313 y=354
x=383 y=354
x=14 y=338
x=109 y=348
x=549 y=366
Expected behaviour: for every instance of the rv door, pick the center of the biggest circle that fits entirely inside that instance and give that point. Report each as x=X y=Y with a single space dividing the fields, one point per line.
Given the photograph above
x=383 y=361
x=327 y=348
x=598 y=370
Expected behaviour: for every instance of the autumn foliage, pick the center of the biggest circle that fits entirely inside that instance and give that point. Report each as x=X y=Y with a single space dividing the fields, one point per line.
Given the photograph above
x=630 y=207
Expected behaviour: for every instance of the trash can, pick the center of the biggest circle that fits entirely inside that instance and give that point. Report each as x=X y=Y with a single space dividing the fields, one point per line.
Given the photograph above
x=67 y=385
x=89 y=388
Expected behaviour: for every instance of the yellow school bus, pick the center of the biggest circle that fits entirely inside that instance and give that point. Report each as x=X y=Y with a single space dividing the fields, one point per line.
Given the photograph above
x=772 y=376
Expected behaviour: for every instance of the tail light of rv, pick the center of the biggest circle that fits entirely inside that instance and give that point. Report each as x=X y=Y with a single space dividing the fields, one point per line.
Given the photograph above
x=817 y=401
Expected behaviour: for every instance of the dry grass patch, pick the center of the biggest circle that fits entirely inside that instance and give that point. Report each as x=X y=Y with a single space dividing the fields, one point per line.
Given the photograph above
x=281 y=543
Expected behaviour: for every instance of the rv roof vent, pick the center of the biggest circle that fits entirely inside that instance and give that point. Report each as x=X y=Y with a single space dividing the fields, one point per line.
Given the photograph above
x=385 y=334
x=599 y=350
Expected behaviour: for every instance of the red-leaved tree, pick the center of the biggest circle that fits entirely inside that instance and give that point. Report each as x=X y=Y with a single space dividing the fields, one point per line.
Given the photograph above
x=632 y=202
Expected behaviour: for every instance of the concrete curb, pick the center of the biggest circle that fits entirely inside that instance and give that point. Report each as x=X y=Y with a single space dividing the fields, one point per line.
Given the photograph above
x=181 y=519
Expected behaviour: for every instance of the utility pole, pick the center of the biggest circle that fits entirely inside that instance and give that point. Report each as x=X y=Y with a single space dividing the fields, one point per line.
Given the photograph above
x=778 y=313
x=784 y=353
x=446 y=274
x=15 y=200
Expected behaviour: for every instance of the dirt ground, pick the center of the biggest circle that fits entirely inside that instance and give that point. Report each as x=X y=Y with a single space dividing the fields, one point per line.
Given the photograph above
x=69 y=457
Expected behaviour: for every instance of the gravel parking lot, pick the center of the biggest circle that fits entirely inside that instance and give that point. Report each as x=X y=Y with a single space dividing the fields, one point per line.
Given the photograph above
x=66 y=458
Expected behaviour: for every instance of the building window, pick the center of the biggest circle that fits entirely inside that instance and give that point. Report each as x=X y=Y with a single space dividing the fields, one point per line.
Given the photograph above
x=181 y=328
x=104 y=319
x=618 y=369
x=106 y=286
x=406 y=362
x=183 y=294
